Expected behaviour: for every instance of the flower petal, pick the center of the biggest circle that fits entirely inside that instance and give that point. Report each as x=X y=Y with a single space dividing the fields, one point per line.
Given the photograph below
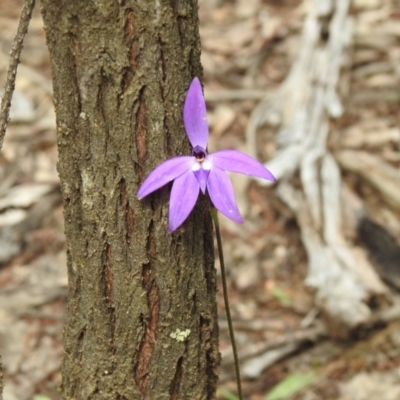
x=236 y=161
x=195 y=115
x=202 y=176
x=221 y=193
x=184 y=194
x=164 y=173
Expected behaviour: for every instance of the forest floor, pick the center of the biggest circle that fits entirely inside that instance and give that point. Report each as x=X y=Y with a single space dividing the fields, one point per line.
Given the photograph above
x=248 y=49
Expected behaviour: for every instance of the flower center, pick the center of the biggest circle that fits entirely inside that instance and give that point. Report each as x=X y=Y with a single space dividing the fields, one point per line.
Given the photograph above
x=199 y=153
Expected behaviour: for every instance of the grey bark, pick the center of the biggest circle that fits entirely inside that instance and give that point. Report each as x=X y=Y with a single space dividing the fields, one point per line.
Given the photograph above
x=121 y=70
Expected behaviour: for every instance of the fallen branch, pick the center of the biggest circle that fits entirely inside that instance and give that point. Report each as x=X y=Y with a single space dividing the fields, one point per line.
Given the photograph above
x=309 y=179
x=255 y=350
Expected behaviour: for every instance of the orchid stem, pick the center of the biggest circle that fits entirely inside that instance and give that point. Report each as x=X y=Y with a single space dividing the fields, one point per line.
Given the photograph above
x=214 y=214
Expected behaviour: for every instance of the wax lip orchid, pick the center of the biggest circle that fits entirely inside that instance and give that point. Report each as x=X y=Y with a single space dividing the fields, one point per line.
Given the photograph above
x=201 y=171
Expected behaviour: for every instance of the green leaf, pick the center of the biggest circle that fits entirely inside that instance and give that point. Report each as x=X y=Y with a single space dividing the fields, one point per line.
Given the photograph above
x=40 y=397
x=226 y=394
x=281 y=296
x=290 y=385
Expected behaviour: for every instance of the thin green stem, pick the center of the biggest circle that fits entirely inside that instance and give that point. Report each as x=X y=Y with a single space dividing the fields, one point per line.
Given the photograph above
x=214 y=214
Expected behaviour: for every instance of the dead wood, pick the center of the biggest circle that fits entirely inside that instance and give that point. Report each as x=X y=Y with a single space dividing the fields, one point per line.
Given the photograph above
x=308 y=100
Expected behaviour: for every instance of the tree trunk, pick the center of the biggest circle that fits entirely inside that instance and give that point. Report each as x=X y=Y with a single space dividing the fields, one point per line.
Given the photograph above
x=121 y=70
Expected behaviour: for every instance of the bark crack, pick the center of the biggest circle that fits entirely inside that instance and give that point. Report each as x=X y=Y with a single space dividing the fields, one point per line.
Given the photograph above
x=176 y=381
x=129 y=215
x=109 y=292
x=133 y=49
x=149 y=338
x=141 y=123
x=164 y=85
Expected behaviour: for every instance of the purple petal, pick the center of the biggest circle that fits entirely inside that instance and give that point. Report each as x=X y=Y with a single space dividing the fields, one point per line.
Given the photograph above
x=221 y=193
x=184 y=194
x=164 y=173
x=236 y=161
x=202 y=176
x=195 y=115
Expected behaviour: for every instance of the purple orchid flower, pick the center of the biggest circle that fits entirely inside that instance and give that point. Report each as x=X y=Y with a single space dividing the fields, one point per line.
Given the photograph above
x=201 y=171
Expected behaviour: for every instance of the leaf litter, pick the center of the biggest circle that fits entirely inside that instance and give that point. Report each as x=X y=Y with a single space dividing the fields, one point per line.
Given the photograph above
x=249 y=49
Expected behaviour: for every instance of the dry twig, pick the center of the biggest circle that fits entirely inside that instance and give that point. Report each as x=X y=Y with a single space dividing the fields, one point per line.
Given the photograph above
x=256 y=357
x=15 y=53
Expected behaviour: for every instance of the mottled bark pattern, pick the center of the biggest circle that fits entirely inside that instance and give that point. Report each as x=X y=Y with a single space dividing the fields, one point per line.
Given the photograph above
x=121 y=70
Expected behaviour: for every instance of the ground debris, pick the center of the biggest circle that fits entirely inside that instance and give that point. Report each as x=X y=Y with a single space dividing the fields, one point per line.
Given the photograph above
x=301 y=271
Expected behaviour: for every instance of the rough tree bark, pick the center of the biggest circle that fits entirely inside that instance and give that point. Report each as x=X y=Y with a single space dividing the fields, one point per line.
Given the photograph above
x=120 y=73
